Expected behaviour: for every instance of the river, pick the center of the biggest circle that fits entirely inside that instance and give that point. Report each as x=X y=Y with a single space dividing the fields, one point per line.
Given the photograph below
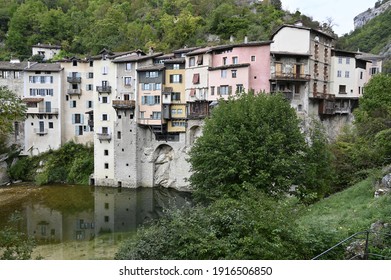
x=83 y=222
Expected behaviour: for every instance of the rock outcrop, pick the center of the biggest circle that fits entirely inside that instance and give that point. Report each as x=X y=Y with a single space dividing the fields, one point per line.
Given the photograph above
x=361 y=19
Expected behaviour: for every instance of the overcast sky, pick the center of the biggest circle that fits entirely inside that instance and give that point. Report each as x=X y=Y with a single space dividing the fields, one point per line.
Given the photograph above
x=341 y=11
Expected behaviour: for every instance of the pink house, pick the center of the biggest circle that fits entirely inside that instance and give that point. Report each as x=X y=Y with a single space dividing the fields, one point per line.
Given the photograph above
x=239 y=67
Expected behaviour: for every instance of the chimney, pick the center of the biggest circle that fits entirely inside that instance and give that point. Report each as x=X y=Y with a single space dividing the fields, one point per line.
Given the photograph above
x=150 y=52
x=231 y=38
x=245 y=39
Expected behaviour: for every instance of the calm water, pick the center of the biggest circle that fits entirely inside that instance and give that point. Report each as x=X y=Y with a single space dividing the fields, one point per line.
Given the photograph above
x=83 y=222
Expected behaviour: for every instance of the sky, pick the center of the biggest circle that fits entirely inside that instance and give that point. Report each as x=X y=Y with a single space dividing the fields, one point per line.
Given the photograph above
x=342 y=12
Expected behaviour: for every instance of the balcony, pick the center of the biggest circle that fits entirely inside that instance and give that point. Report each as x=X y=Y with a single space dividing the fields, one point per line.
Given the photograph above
x=42 y=111
x=40 y=131
x=103 y=89
x=74 y=80
x=124 y=104
x=325 y=96
x=290 y=77
x=74 y=91
x=104 y=136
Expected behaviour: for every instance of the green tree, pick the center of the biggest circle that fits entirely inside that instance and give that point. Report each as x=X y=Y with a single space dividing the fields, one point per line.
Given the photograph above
x=253 y=139
x=11 y=109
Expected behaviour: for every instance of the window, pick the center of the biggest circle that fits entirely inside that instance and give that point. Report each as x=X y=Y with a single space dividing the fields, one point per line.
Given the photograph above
x=179 y=111
x=192 y=61
x=176 y=78
x=347 y=74
x=106 y=219
x=106 y=152
x=253 y=58
x=158 y=86
x=118 y=134
x=196 y=78
x=142 y=114
x=348 y=60
x=235 y=60
x=127 y=81
x=234 y=73
x=175 y=66
x=51 y=125
x=224 y=60
x=223 y=90
x=105 y=99
x=361 y=75
x=152 y=74
x=72 y=103
x=342 y=89
x=90 y=75
x=145 y=86
x=91 y=63
x=339 y=60
x=239 y=88
x=106 y=205
x=128 y=66
x=200 y=59
x=156 y=115
x=150 y=100
x=74 y=63
x=89 y=87
x=175 y=96
x=77 y=118
x=212 y=90
x=173 y=111
x=106 y=165
x=373 y=70
x=223 y=73
x=105 y=70
x=339 y=73
x=105 y=117
x=105 y=130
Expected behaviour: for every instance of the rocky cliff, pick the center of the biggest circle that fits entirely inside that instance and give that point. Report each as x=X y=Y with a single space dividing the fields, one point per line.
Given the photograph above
x=363 y=18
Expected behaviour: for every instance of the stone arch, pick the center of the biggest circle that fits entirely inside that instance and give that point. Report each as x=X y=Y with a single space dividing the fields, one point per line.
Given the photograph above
x=195 y=132
x=162 y=163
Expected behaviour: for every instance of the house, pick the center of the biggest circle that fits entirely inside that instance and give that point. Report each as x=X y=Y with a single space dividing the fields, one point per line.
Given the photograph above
x=301 y=68
x=43 y=96
x=46 y=51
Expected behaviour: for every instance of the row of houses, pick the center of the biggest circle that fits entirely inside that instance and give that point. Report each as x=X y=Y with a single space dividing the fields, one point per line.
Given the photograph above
x=143 y=111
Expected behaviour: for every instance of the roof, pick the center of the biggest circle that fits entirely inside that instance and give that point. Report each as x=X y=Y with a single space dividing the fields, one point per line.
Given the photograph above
x=303 y=28
x=5 y=65
x=199 y=51
x=114 y=55
x=175 y=60
x=185 y=50
x=345 y=53
x=369 y=56
x=46 y=46
x=156 y=67
x=52 y=67
x=135 y=58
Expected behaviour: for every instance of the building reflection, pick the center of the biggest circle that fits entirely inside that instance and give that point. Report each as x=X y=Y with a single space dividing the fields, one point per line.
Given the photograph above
x=116 y=212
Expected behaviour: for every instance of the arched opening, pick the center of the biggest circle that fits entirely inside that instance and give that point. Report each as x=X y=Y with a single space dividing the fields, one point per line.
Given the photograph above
x=163 y=156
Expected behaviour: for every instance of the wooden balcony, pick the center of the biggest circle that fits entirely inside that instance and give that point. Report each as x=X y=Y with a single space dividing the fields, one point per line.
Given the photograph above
x=319 y=95
x=74 y=80
x=290 y=77
x=124 y=104
x=103 y=89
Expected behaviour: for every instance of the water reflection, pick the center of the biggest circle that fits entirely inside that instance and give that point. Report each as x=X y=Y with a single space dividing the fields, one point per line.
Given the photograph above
x=57 y=214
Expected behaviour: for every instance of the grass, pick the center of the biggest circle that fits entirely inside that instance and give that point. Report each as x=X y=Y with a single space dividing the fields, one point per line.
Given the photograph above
x=349 y=211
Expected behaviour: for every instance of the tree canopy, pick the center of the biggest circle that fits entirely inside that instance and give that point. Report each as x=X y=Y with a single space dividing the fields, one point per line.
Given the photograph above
x=11 y=109
x=254 y=139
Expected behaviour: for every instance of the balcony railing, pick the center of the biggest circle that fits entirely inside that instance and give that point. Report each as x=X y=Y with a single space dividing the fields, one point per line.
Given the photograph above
x=40 y=131
x=52 y=111
x=104 y=136
x=124 y=104
x=291 y=76
x=103 y=89
x=74 y=91
x=326 y=96
x=342 y=110
x=74 y=80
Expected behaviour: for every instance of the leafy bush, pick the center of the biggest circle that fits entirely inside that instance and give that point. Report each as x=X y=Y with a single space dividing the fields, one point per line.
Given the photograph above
x=255 y=226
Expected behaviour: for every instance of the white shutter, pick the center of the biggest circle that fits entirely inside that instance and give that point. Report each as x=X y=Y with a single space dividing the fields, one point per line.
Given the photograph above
x=73 y=118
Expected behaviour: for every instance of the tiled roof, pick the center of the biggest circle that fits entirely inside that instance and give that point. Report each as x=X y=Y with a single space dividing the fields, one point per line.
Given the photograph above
x=157 y=67
x=32 y=99
x=52 y=67
x=5 y=65
x=134 y=58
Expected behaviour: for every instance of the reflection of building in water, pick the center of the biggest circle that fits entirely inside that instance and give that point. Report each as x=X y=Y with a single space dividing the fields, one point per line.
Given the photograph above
x=123 y=210
x=49 y=225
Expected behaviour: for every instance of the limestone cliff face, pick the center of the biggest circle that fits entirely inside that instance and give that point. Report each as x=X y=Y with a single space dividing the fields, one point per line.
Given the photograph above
x=363 y=18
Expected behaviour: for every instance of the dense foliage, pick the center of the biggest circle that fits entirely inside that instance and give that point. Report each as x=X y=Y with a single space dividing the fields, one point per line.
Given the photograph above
x=366 y=145
x=254 y=226
x=85 y=27
x=15 y=245
x=11 y=109
x=72 y=163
